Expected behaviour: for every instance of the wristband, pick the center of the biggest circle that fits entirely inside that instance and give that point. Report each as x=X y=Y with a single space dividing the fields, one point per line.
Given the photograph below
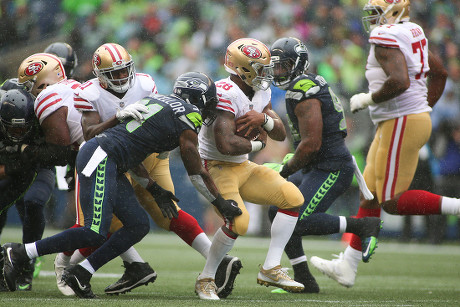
x=257 y=145
x=269 y=123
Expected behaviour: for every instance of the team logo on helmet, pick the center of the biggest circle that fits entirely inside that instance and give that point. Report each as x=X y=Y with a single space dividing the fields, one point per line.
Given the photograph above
x=252 y=52
x=96 y=59
x=33 y=69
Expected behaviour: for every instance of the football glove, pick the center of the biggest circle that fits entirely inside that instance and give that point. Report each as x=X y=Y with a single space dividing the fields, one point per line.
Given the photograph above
x=134 y=111
x=361 y=101
x=228 y=208
x=164 y=200
x=277 y=166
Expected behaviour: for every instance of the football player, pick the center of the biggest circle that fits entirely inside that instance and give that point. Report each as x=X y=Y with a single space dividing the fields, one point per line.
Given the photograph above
x=405 y=81
x=244 y=101
x=321 y=166
x=165 y=122
x=23 y=181
x=105 y=101
x=66 y=54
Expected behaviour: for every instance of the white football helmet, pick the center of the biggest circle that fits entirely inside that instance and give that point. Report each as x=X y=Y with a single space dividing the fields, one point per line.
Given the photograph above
x=40 y=70
x=382 y=12
x=114 y=67
x=250 y=60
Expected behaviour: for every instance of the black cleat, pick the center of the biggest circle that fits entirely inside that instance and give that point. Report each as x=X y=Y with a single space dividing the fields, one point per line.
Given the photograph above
x=136 y=274
x=3 y=287
x=226 y=273
x=369 y=236
x=302 y=274
x=77 y=278
x=14 y=258
x=24 y=280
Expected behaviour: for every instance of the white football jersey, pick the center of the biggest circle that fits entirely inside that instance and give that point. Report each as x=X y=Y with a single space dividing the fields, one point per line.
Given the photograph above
x=90 y=96
x=410 y=39
x=56 y=96
x=231 y=99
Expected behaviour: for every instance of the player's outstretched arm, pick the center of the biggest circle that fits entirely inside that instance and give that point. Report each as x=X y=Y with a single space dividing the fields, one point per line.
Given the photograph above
x=200 y=177
x=164 y=198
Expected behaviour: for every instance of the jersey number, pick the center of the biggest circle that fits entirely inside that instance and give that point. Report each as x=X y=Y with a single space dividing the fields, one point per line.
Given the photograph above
x=415 y=49
x=153 y=109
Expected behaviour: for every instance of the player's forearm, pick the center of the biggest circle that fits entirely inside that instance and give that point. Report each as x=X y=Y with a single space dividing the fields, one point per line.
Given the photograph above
x=390 y=89
x=437 y=77
x=93 y=130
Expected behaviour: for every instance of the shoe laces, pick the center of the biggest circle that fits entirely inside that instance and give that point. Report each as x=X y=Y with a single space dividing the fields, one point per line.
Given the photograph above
x=283 y=273
x=339 y=258
x=208 y=287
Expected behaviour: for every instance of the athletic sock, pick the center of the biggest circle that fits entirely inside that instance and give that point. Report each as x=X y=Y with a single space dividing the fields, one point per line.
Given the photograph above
x=87 y=266
x=282 y=228
x=221 y=245
x=186 y=227
x=418 y=202
x=131 y=255
x=202 y=244
x=77 y=257
x=450 y=205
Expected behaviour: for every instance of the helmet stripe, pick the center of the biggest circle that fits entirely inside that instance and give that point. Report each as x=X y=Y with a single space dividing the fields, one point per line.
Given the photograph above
x=53 y=57
x=111 y=50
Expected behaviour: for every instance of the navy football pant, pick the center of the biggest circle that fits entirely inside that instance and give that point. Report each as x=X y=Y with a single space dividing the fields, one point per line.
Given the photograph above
x=30 y=192
x=320 y=189
x=104 y=193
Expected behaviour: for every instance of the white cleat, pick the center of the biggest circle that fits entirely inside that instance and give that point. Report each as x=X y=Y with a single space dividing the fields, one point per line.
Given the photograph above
x=60 y=263
x=338 y=269
x=206 y=289
x=278 y=277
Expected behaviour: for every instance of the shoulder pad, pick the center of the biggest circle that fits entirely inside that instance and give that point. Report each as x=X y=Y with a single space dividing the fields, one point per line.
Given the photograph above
x=303 y=88
x=88 y=90
x=389 y=36
x=147 y=83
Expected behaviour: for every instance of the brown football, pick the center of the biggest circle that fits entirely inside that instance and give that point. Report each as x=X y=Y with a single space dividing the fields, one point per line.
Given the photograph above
x=254 y=134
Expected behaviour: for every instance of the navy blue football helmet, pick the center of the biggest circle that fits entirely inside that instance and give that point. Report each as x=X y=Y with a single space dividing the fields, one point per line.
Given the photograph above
x=17 y=117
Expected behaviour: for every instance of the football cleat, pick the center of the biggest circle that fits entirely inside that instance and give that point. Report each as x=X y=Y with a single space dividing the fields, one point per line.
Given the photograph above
x=303 y=275
x=136 y=274
x=206 y=289
x=77 y=278
x=3 y=287
x=24 y=280
x=369 y=235
x=15 y=258
x=226 y=274
x=338 y=269
x=278 y=277
x=61 y=262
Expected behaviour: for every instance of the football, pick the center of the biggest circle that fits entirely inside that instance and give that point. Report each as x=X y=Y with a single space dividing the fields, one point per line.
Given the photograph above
x=253 y=135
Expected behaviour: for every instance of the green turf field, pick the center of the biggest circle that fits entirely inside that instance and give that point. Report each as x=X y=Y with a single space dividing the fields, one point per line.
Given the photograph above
x=398 y=275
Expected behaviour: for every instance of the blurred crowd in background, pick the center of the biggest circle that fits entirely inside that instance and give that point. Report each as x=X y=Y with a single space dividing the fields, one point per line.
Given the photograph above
x=169 y=37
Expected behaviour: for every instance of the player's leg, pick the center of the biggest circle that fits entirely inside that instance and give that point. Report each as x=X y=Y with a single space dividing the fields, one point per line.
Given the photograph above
x=266 y=186
x=185 y=225
x=31 y=210
x=226 y=178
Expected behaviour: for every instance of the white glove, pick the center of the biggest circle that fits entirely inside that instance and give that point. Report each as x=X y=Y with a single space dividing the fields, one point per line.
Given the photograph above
x=133 y=110
x=361 y=101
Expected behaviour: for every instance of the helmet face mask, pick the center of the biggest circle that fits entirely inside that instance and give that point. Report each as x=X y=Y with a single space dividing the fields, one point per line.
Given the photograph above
x=198 y=89
x=17 y=116
x=114 y=67
x=290 y=59
x=380 y=12
x=39 y=71
x=250 y=60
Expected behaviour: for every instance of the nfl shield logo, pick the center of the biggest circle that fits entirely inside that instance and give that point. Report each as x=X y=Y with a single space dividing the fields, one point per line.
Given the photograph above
x=122 y=104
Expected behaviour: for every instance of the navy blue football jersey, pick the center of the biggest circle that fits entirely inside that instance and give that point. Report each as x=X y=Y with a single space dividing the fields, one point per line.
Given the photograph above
x=130 y=142
x=333 y=150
